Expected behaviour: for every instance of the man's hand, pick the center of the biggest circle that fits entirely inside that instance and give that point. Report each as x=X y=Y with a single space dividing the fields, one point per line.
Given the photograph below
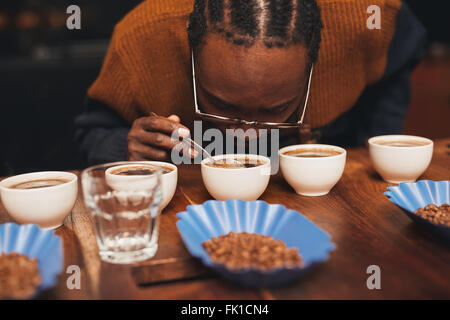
x=150 y=138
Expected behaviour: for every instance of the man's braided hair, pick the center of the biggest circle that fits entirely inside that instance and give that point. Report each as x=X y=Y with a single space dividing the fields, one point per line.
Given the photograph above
x=278 y=23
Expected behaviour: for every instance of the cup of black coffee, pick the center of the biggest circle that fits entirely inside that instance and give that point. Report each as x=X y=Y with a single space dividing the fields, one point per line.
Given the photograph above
x=400 y=158
x=128 y=176
x=42 y=198
x=312 y=169
x=236 y=176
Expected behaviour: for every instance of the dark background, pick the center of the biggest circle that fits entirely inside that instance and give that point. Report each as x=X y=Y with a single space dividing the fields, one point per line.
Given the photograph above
x=45 y=70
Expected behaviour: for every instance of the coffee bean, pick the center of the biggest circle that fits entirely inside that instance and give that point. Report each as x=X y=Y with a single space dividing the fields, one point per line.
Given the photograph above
x=435 y=214
x=19 y=276
x=254 y=251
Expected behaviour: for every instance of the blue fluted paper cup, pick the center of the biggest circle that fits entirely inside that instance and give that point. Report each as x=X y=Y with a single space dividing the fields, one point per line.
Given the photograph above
x=37 y=243
x=200 y=223
x=411 y=196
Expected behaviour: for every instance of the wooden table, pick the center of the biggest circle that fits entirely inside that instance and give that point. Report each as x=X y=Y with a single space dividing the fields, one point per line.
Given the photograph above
x=366 y=227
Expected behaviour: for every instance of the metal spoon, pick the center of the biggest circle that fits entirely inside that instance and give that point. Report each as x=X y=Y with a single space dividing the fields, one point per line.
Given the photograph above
x=189 y=141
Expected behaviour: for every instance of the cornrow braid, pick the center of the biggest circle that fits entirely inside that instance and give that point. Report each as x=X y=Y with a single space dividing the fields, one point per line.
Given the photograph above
x=280 y=16
x=244 y=21
x=197 y=23
x=308 y=18
x=243 y=17
x=215 y=11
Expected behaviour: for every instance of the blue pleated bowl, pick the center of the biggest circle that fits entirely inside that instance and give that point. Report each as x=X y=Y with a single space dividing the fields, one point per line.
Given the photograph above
x=411 y=196
x=200 y=223
x=37 y=243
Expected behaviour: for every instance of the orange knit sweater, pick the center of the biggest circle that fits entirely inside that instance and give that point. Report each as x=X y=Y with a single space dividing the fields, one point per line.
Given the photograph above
x=147 y=67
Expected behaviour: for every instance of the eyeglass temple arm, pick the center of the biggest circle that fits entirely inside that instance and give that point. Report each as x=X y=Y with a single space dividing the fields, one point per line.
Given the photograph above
x=307 y=96
x=193 y=81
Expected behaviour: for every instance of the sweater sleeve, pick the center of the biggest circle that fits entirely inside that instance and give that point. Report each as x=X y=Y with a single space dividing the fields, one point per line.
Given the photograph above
x=101 y=134
x=101 y=130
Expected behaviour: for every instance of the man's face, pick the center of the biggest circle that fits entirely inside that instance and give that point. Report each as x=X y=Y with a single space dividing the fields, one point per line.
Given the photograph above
x=254 y=83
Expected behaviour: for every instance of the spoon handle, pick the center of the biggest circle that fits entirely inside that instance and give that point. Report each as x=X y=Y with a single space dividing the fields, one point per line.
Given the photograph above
x=190 y=141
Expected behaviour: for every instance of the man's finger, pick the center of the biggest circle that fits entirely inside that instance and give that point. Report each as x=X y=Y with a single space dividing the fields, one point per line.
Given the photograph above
x=161 y=124
x=157 y=139
x=174 y=117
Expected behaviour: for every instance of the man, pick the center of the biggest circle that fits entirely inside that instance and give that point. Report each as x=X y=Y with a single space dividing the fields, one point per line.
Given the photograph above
x=253 y=61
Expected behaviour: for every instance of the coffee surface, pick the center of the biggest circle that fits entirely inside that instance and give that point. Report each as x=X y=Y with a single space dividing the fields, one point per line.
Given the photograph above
x=140 y=171
x=229 y=164
x=311 y=153
x=402 y=143
x=38 y=183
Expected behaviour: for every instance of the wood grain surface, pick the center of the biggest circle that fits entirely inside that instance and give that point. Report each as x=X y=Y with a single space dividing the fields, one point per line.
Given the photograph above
x=366 y=227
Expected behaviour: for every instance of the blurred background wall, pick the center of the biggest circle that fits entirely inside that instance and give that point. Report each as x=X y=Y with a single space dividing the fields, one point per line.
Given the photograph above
x=46 y=69
x=429 y=112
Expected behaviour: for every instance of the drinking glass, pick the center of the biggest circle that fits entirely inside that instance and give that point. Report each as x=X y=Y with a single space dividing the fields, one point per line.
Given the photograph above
x=125 y=211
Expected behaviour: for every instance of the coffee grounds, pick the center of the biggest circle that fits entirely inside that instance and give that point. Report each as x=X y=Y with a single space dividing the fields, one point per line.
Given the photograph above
x=435 y=214
x=251 y=251
x=19 y=276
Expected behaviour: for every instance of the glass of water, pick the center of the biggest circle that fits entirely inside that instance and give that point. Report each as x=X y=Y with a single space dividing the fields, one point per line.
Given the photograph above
x=124 y=199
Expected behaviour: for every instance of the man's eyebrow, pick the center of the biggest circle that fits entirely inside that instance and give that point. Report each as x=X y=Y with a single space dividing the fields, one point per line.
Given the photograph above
x=217 y=99
x=228 y=104
x=282 y=105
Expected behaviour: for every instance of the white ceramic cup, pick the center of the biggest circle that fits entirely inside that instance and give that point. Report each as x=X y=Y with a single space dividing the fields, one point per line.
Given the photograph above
x=314 y=176
x=400 y=164
x=126 y=183
x=236 y=183
x=46 y=207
